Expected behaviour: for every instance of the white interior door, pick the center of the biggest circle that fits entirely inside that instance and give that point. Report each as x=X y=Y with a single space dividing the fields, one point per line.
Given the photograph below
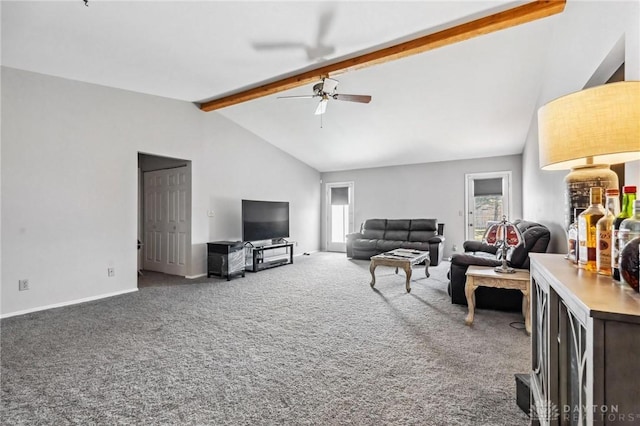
x=488 y=198
x=154 y=223
x=167 y=220
x=340 y=215
x=178 y=226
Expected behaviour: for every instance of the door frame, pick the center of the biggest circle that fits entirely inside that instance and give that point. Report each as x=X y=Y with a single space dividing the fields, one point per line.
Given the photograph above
x=507 y=180
x=141 y=205
x=327 y=211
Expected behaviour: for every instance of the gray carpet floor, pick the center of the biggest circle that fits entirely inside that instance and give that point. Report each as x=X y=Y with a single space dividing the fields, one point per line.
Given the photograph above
x=308 y=343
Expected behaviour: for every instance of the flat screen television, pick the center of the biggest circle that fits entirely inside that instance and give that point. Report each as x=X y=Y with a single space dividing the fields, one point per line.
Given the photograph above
x=264 y=220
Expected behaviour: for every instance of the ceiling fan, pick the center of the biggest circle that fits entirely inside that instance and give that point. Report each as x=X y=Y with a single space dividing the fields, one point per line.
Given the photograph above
x=316 y=52
x=326 y=90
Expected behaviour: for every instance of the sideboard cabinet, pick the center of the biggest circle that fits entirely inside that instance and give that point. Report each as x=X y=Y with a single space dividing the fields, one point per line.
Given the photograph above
x=585 y=346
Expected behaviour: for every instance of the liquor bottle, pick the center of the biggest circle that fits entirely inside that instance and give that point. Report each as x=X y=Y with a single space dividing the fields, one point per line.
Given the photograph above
x=587 y=230
x=604 y=228
x=629 y=229
x=628 y=198
x=572 y=236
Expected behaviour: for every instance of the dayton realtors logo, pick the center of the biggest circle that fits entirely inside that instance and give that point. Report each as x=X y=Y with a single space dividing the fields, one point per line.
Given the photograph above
x=549 y=411
x=544 y=410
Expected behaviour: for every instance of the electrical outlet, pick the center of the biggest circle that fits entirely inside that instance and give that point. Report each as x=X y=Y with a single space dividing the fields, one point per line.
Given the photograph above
x=111 y=272
x=23 y=285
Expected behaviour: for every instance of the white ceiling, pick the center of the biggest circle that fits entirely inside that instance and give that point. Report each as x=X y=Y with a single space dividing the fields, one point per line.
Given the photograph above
x=468 y=100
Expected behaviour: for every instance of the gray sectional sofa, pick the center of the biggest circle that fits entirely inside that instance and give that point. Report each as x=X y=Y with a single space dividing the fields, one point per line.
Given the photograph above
x=380 y=235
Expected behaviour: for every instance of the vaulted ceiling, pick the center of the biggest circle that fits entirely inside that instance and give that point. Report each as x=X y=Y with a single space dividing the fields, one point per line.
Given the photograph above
x=471 y=99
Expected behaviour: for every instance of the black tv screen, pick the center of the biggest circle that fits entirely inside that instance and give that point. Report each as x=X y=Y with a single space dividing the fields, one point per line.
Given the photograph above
x=264 y=220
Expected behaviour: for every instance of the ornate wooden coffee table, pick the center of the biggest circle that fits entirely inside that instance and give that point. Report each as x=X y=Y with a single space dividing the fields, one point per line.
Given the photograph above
x=400 y=258
x=485 y=276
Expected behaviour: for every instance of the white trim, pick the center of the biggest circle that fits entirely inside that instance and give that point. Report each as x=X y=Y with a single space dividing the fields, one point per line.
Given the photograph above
x=72 y=302
x=507 y=180
x=352 y=196
x=307 y=252
x=193 y=277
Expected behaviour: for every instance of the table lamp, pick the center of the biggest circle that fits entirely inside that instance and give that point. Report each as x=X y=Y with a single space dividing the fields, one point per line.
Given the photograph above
x=504 y=235
x=585 y=132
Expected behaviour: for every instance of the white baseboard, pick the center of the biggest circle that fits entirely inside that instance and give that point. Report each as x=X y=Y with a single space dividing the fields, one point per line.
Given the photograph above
x=72 y=302
x=307 y=252
x=193 y=277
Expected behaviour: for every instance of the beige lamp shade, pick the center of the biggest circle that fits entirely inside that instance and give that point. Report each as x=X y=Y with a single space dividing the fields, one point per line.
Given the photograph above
x=599 y=125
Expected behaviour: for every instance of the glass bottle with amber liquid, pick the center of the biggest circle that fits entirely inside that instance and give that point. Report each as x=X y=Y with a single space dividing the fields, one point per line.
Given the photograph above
x=604 y=228
x=628 y=198
x=587 y=230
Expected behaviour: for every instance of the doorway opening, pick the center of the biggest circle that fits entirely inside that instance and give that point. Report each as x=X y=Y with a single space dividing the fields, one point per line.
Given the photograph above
x=339 y=214
x=487 y=199
x=164 y=214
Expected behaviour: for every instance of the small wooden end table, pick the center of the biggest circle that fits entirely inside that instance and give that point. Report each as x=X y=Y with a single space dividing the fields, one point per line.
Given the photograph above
x=486 y=276
x=400 y=258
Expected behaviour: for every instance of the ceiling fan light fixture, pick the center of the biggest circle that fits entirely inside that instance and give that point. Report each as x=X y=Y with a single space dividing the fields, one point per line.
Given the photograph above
x=325 y=90
x=322 y=106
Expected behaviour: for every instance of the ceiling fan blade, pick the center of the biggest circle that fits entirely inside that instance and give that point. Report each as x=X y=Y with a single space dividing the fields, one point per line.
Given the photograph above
x=329 y=85
x=277 y=45
x=298 y=97
x=324 y=24
x=365 y=99
x=322 y=106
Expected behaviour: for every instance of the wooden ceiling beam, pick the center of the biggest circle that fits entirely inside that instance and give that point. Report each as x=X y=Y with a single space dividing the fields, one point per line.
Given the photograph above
x=488 y=24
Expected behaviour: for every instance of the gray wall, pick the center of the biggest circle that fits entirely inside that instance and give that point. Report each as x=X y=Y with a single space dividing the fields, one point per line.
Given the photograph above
x=432 y=190
x=69 y=177
x=569 y=70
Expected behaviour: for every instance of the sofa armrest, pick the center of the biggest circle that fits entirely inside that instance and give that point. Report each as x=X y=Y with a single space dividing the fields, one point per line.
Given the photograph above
x=436 y=250
x=350 y=239
x=462 y=259
x=474 y=246
x=436 y=240
x=460 y=262
x=354 y=236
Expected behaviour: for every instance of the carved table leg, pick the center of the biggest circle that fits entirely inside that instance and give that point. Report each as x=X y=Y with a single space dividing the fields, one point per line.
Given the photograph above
x=469 y=290
x=526 y=311
x=372 y=268
x=426 y=269
x=407 y=271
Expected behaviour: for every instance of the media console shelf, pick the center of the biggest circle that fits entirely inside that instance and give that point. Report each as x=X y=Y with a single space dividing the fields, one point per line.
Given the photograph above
x=225 y=258
x=261 y=257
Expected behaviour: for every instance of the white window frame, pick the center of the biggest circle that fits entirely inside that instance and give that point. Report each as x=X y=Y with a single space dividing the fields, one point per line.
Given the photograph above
x=507 y=194
x=327 y=211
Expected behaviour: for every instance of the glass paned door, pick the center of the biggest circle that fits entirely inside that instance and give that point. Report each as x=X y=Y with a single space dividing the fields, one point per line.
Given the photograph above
x=487 y=200
x=339 y=201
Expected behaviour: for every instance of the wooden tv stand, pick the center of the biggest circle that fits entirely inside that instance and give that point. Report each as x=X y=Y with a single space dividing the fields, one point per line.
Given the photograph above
x=257 y=261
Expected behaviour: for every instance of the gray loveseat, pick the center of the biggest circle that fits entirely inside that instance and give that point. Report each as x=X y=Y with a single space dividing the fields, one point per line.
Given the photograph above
x=379 y=235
